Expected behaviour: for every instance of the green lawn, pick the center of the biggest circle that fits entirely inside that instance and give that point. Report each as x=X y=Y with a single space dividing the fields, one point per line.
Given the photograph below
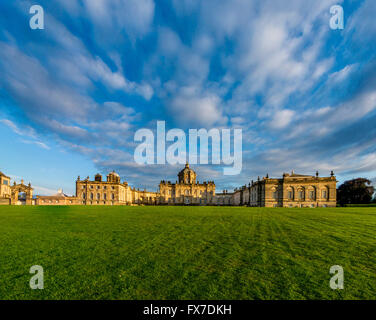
x=187 y=252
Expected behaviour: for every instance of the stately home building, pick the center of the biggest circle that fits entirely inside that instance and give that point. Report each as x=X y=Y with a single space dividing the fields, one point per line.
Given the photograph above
x=187 y=190
x=292 y=190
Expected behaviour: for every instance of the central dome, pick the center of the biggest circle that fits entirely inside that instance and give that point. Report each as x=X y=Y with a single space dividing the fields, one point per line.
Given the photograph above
x=113 y=177
x=187 y=175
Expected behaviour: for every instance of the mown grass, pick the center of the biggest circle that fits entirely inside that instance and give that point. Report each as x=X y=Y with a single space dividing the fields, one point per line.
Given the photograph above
x=187 y=252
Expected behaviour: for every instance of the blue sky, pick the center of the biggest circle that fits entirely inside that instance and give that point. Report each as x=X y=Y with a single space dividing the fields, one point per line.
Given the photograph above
x=73 y=95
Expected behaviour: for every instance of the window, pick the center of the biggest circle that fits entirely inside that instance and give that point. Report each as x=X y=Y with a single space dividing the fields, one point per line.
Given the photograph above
x=105 y=188
x=98 y=187
x=91 y=196
x=98 y=196
x=290 y=195
x=83 y=196
x=312 y=195
x=324 y=194
x=112 y=196
x=275 y=195
x=105 y=196
x=301 y=194
x=6 y=182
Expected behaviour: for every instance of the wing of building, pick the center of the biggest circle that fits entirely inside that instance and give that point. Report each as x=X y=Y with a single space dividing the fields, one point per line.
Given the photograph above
x=5 y=191
x=292 y=190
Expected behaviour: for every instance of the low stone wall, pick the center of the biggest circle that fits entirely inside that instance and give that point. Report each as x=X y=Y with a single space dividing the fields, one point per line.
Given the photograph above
x=4 y=202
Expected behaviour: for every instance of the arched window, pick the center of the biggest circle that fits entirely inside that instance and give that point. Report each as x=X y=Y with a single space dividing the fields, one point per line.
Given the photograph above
x=290 y=193
x=312 y=193
x=325 y=193
x=274 y=193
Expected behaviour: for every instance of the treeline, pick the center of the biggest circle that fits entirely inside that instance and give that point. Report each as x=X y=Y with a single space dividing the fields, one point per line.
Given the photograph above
x=356 y=192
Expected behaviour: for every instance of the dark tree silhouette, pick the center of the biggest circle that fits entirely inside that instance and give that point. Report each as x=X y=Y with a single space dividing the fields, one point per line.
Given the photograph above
x=356 y=191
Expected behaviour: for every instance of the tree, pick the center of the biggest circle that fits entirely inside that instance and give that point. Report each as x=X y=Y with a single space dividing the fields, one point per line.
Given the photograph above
x=356 y=191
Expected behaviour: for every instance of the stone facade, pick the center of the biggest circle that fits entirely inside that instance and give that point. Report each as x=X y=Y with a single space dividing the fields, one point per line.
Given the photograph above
x=224 y=199
x=186 y=191
x=111 y=192
x=59 y=199
x=16 y=194
x=5 y=190
x=22 y=194
x=293 y=190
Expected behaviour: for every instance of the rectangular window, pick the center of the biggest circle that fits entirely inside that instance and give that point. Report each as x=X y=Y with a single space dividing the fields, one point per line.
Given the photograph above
x=324 y=195
x=312 y=195
x=275 y=195
x=290 y=194
x=6 y=182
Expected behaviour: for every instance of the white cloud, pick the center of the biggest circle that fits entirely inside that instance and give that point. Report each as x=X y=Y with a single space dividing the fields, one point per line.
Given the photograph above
x=132 y=16
x=342 y=74
x=281 y=119
x=25 y=132
x=193 y=108
x=37 y=143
